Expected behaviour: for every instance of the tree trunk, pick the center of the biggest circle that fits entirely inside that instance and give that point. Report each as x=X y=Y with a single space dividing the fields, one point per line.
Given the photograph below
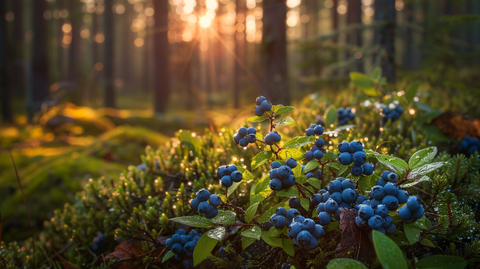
x=274 y=51
x=18 y=33
x=6 y=109
x=239 y=53
x=39 y=90
x=74 y=63
x=354 y=16
x=109 y=99
x=385 y=36
x=162 y=76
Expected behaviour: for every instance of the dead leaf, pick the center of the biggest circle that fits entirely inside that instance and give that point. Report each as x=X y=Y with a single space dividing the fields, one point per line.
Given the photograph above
x=122 y=253
x=354 y=243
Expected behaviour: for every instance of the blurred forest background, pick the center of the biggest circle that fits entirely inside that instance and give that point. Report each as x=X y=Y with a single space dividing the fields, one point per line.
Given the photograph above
x=85 y=85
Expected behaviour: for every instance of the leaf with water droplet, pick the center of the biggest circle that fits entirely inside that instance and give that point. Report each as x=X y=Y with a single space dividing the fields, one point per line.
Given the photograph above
x=167 y=256
x=412 y=232
x=410 y=183
x=287 y=121
x=423 y=170
x=253 y=232
x=261 y=158
x=194 y=221
x=298 y=142
x=250 y=212
x=388 y=253
x=393 y=163
x=422 y=157
x=217 y=233
x=224 y=217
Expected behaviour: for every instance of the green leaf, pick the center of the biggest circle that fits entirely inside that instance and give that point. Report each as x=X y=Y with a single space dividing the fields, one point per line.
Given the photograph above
x=295 y=153
x=372 y=91
x=315 y=182
x=252 y=232
x=377 y=73
x=371 y=153
x=329 y=156
x=427 y=243
x=422 y=157
x=234 y=186
x=311 y=165
x=272 y=241
x=204 y=247
x=345 y=264
x=167 y=256
x=412 y=233
x=283 y=110
x=298 y=142
x=393 y=163
x=442 y=262
x=361 y=80
x=267 y=214
x=365 y=183
x=194 y=221
x=262 y=184
x=259 y=136
x=250 y=212
x=288 y=192
x=297 y=171
x=224 y=217
x=287 y=121
x=330 y=116
x=423 y=170
x=247 y=241
x=416 y=181
x=257 y=119
x=217 y=233
x=272 y=232
x=422 y=223
x=388 y=253
x=246 y=174
x=305 y=202
x=412 y=92
x=261 y=158
x=287 y=246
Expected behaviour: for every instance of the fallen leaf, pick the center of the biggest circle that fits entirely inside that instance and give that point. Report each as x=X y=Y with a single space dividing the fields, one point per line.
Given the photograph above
x=122 y=254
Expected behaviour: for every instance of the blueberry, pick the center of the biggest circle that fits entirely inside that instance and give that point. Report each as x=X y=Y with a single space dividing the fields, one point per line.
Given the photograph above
x=377 y=192
x=275 y=137
x=318 y=154
x=95 y=247
x=226 y=181
x=308 y=155
x=324 y=218
x=294 y=202
x=215 y=200
x=243 y=131
x=221 y=171
x=344 y=147
x=292 y=163
x=251 y=138
x=318 y=130
x=319 y=142
x=184 y=239
x=292 y=212
x=356 y=146
x=375 y=222
x=268 y=140
x=283 y=172
x=204 y=207
x=252 y=130
x=385 y=175
x=258 y=111
x=212 y=213
x=203 y=195
x=176 y=238
x=366 y=212
x=320 y=122
x=286 y=266
x=320 y=207
x=356 y=170
x=299 y=219
x=404 y=213
x=279 y=221
x=319 y=174
x=310 y=175
x=392 y=177
x=319 y=232
x=316 y=199
x=236 y=138
x=413 y=203
x=360 y=199
x=381 y=229
x=290 y=181
x=387 y=221
x=181 y=232
x=359 y=158
x=325 y=196
x=348 y=184
x=313 y=243
x=331 y=206
x=345 y=158
x=381 y=182
x=374 y=203
x=337 y=196
x=193 y=232
x=390 y=189
x=266 y=106
x=419 y=213
x=196 y=238
x=309 y=132
x=360 y=222
x=222 y=252
x=368 y=169
x=349 y=195
x=402 y=196
x=276 y=184
x=304 y=238
x=243 y=142
x=281 y=211
x=313 y=126
x=391 y=202
x=169 y=243
x=334 y=186
x=275 y=165
x=381 y=210
x=236 y=176
x=390 y=229
x=314 y=148
x=194 y=204
x=273 y=217
x=260 y=99
x=308 y=225
x=177 y=248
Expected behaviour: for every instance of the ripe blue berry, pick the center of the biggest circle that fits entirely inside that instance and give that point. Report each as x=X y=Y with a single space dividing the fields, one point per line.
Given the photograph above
x=320 y=207
x=385 y=175
x=359 y=158
x=366 y=212
x=337 y=196
x=289 y=181
x=349 y=195
x=294 y=229
x=184 y=239
x=310 y=175
x=334 y=186
x=368 y=169
x=360 y=199
x=251 y=138
x=318 y=154
x=319 y=142
x=308 y=155
x=292 y=163
x=279 y=221
x=331 y=206
x=344 y=147
x=404 y=213
x=387 y=221
x=390 y=229
x=294 y=202
x=252 y=130
x=243 y=142
x=419 y=213
x=324 y=218
x=176 y=238
x=304 y=238
x=356 y=146
x=381 y=210
x=348 y=184
x=268 y=139
x=319 y=231
x=194 y=204
x=318 y=130
x=374 y=203
x=392 y=177
x=276 y=184
x=231 y=168
x=212 y=213
x=360 y=222
x=258 y=111
x=204 y=207
x=260 y=99
x=266 y=106
x=177 y=248
x=381 y=182
x=203 y=195
x=283 y=172
x=275 y=165
x=236 y=138
x=236 y=176
x=390 y=189
x=375 y=222
x=309 y=225
x=402 y=196
x=345 y=158
x=169 y=243
x=391 y=202
x=309 y=132
x=356 y=170
x=243 y=131
x=313 y=243
x=275 y=137
x=215 y=200
x=299 y=219
x=281 y=211
x=226 y=181
x=413 y=203
x=377 y=192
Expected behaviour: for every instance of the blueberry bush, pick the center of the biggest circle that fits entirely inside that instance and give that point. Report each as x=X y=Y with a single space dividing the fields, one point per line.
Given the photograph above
x=279 y=192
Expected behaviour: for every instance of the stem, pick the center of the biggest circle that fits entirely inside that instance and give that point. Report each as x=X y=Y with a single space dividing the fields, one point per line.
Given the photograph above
x=299 y=186
x=321 y=179
x=234 y=206
x=404 y=178
x=241 y=224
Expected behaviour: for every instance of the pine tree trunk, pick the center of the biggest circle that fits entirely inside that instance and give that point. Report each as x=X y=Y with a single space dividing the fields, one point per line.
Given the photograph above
x=385 y=36
x=6 y=109
x=162 y=76
x=109 y=99
x=274 y=52
x=354 y=16
x=239 y=52
x=74 y=63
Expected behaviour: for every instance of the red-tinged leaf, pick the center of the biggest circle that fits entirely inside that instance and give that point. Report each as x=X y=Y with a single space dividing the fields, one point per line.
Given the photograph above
x=125 y=253
x=354 y=241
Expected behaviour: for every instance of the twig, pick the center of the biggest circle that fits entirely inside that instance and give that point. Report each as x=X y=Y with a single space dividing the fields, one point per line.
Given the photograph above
x=234 y=206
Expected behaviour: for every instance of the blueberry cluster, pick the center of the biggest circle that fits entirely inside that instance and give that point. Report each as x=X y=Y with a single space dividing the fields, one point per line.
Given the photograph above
x=391 y=112
x=412 y=211
x=206 y=204
x=317 y=151
x=471 y=144
x=229 y=174
x=245 y=136
x=305 y=232
x=283 y=217
x=282 y=176
x=341 y=194
x=98 y=241
x=345 y=115
x=182 y=244
x=272 y=138
x=263 y=105
x=314 y=129
x=353 y=152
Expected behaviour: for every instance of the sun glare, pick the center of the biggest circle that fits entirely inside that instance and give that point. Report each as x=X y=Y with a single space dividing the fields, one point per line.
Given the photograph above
x=204 y=22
